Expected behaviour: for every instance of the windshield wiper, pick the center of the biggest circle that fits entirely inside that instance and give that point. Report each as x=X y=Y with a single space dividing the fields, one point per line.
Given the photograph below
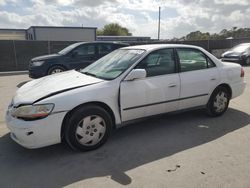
x=94 y=75
x=90 y=74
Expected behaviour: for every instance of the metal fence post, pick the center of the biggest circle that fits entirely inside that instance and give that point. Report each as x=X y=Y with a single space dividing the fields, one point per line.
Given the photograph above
x=208 y=47
x=14 y=49
x=49 y=47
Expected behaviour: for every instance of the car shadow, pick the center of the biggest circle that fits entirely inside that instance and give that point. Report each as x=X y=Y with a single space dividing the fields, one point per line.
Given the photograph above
x=128 y=148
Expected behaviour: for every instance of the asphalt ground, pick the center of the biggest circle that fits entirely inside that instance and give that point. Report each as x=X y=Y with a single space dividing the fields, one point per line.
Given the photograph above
x=186 y=149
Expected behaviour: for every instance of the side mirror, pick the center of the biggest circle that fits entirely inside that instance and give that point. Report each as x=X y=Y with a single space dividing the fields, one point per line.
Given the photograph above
x=136 y=74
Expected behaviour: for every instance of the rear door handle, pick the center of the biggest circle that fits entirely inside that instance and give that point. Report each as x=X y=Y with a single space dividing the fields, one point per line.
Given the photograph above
x=172 y=85
x=213 y=79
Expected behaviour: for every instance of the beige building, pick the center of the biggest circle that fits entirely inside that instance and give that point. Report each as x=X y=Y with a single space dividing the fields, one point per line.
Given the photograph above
x=12 y=34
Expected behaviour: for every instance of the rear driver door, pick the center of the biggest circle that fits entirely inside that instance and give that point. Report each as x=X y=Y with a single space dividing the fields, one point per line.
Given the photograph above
x=198 y=75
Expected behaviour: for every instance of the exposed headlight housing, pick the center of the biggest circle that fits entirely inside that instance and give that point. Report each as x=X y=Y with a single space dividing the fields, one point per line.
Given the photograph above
x=32 y=112
x=37 y=63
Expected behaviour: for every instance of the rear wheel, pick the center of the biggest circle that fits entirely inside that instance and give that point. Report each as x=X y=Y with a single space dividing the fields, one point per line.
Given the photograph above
x=55 y=69
x=218 y=102
x=89 y=127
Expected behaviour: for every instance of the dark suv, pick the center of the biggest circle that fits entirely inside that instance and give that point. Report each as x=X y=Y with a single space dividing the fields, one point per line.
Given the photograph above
x=76 y=56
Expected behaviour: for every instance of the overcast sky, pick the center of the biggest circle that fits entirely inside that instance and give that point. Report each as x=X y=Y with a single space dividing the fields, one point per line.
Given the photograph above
x=179 y=17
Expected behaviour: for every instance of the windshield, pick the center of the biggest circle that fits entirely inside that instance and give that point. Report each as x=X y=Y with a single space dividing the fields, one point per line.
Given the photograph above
x=68 y=49
x=240 y=48
x=112 y=65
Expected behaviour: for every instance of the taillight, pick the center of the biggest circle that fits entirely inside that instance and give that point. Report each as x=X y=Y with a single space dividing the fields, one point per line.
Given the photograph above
x=242 y=73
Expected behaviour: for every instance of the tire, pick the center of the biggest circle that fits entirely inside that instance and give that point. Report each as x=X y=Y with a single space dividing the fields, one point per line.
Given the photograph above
x=247 y=62
x=218 y=102
x=88 y=128
x=55 y=69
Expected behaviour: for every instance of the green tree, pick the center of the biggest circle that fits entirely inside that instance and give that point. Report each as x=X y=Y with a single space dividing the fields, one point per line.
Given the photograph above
x=114 y=29
x=197 y=35
x=223 y=34
x=99 y=32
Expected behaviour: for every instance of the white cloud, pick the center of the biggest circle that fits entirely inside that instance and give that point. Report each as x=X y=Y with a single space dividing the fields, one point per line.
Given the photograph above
x=140 y=16
x=2 y=2
x=233 y=2
x=65 y=2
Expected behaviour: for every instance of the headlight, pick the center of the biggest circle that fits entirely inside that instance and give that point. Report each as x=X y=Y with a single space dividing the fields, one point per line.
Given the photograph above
x=31 y=112
x=37 y=63
x=244 y=54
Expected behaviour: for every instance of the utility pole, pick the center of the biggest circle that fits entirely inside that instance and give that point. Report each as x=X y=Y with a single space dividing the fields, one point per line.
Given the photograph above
x=159 y=23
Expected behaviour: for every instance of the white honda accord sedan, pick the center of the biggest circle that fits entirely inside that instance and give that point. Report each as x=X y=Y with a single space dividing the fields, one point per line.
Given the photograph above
x=134 y=82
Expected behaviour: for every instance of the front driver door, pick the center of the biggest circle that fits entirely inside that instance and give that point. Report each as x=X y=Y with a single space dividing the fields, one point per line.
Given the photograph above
x=157 y=93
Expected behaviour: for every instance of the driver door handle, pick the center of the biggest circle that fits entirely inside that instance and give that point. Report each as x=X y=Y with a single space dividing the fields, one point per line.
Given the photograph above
x=172 y=85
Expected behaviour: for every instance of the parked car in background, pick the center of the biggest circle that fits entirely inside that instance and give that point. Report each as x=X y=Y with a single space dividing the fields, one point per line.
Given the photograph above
x=238 y=54
x=134 y=82
x=76 y=56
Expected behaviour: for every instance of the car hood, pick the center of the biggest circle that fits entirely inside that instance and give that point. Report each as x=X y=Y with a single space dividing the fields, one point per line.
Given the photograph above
x=231 y=54
x=47 y=86
x=45 y=57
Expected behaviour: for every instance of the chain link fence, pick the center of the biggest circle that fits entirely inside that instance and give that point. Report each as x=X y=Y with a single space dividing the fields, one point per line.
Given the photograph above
x=15 y=55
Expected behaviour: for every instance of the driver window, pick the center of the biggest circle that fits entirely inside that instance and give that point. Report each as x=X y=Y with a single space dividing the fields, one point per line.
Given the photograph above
x=85 y=50
x=159 y=62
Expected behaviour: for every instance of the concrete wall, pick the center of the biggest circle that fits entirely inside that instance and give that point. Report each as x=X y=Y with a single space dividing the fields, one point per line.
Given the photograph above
x=65 y=34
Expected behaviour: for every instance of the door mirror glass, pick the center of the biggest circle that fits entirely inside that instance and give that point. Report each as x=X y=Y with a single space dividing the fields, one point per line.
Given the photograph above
x=136 y=74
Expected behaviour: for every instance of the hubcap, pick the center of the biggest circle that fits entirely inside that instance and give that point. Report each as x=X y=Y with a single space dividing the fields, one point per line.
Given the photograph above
x=56 y=71
x=90 y=130
x=220 y=102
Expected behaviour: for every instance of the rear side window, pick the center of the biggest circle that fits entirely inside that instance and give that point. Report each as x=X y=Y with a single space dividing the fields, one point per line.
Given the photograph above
x=159 y=62
x=104 y=49
x=192 y=59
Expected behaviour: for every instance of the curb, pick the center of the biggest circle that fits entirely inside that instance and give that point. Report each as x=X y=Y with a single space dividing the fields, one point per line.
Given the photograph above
x=11 y=73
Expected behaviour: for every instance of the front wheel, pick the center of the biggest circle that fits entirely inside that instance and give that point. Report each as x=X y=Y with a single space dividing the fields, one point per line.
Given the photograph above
x=89 y=127
x=55 y=70
x=218 y=102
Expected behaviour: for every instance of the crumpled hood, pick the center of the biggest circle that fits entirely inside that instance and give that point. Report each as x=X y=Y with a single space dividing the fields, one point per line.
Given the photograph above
x=45 y=57
x=51 y=85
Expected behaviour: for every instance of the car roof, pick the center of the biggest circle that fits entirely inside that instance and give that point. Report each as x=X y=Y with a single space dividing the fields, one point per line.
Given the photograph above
x=102 y=42
x=149 y=47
